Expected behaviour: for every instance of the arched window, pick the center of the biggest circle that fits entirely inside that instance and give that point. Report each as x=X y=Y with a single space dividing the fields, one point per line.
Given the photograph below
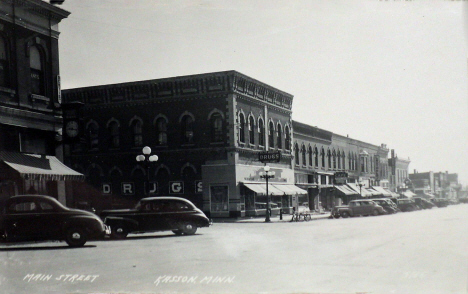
x=4 y=68
x=329 y=158
x=251 y=130
x=311 y=162
x=279 y=136
x=316 y=154
x=36 y=65
x=261 y=132
x=287 y=138
x=241 y=128
x=303 y=153
x=216 y=128
x=187 y=129
x=161 y=131
x=92 y=132
x=322 y=154
x=334 y=158
x=114 y=131
x=137 y=132
x=296 y=153
x=339 y=159
x=271 y=134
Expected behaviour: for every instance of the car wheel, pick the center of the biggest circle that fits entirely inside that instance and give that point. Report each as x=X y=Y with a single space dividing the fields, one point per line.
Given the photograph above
x=336 y=216
x=189 y=228
x=119 y=232
x=375 y=212
x=345 y=214
x=75 y=237
x=177 y=232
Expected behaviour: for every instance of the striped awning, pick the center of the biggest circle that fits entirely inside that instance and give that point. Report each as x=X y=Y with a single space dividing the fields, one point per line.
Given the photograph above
x=40 y=167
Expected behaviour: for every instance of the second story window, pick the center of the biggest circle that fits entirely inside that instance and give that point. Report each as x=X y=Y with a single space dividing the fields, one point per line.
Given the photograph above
x=161 y=131
x=114 y=134
x=287 y=138
x=216 y=128
x=251 y=130
x=93 y=135
x=137 y=132
x=296 y=153
x=271 y=134
x=241 y=128
x=316 y=157
x=261 y=133
x=279 y=137
x=37 y=71
x=4 y=69
x=187 y=129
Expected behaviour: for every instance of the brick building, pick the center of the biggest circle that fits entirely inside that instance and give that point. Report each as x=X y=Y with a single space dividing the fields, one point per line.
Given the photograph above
x=30 y=115
x=207 y=131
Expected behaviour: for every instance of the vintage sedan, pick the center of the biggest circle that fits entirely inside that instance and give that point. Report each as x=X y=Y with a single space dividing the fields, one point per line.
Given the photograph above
x=38 y=218
x=407 y=205
x=388 y=205
x=155 y=214
x=356 y=208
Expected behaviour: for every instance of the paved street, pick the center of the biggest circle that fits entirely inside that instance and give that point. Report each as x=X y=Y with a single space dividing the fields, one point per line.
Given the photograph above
x=417 y=252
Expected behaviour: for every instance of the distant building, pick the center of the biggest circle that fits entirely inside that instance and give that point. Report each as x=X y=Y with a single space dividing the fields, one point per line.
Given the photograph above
x=399 y=180
x=30 y=115
x=442 y=185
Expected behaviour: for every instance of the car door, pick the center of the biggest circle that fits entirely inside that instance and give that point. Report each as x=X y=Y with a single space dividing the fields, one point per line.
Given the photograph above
x=50 y=219
x=22 y=220
x=356 y=207
x=153 y=216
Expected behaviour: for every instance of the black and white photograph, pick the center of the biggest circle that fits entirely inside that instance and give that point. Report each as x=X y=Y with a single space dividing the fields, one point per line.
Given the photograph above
x=247 y=146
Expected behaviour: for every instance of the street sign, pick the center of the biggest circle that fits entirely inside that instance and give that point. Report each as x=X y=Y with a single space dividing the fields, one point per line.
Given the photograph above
x=269 y=156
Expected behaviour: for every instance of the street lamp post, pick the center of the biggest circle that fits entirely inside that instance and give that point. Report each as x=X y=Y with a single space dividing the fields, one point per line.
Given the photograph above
x=266 y=176
x=147 y=159
x=360 y=188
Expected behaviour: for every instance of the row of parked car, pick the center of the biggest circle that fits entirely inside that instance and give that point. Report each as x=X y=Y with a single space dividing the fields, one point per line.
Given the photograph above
x=385 y=206
x=38 y=218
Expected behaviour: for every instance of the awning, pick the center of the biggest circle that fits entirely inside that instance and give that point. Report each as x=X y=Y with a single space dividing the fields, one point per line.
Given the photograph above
x=393 y=194
x=373 y=192
x=361 y=191
x=40 y=167
x=382 y=191
x=408 y=194
x=345 y=191
x=290 y=189
x=260 y=188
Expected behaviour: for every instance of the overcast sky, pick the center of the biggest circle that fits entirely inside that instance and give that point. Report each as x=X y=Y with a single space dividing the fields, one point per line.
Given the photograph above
x=392 y=72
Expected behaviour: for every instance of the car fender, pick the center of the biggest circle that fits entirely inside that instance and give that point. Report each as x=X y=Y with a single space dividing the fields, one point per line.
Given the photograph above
x=87 y=222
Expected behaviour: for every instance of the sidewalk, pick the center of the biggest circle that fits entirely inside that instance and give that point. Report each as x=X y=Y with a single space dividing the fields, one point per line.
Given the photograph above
x=274 y=219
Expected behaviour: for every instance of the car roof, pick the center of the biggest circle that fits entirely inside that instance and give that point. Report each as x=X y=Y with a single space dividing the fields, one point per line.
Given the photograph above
x=163 y=198
x=31 y=197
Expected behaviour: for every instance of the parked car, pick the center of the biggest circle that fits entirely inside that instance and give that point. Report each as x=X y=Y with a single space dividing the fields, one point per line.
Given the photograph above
x=387 y=205
x=407 y=205
x=37 y=218
x=423 y=203
x=358 y=207
x=154 y=214
x=440 y=202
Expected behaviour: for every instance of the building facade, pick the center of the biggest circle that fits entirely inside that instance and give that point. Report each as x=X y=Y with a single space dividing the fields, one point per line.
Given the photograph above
x=30 y=97
x=207 y=131
x=399 y=174
x=324 y=161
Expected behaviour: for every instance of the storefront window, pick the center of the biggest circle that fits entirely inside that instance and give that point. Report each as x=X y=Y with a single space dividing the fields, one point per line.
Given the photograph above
x=219 y=198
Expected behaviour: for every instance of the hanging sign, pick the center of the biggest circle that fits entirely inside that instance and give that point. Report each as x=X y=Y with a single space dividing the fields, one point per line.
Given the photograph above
x=269 y=156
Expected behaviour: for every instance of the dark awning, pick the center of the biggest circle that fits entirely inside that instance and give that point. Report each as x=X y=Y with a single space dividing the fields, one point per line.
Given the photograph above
x=40 y=167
